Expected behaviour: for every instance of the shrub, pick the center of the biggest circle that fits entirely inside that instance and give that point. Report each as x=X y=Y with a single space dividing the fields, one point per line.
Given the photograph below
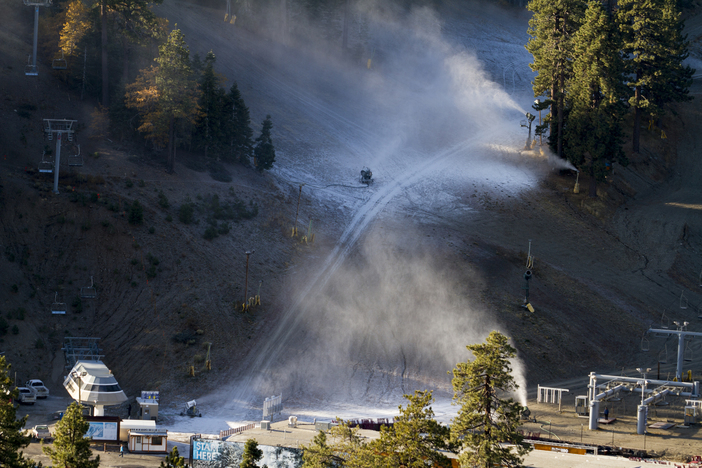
x=210 y=233
x=39 y=344
x=15 y=330
x=14 y=288
x=169 y=218
x=186 y=213
x=163 y=200
x=129 y=183
x=151 y=272
x=85 y=226
x=3 y=326
x=152 y=230
x=77 y=305
x=185 y=337
x=20 y=313
x=136 y=213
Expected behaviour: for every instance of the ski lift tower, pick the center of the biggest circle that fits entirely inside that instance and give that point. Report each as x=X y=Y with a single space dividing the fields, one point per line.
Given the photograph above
x=58 y=127
x=682 y=334
x=31 y=68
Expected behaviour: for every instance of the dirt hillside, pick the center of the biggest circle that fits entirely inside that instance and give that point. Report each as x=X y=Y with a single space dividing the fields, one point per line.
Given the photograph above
x=605 y=268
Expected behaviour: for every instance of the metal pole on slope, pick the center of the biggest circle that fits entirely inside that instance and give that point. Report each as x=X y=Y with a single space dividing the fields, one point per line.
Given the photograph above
x=246 y=283
x=57 y=161
x=297 y=212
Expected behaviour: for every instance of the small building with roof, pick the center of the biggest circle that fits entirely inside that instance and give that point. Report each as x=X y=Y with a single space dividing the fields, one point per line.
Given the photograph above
x=93 y=384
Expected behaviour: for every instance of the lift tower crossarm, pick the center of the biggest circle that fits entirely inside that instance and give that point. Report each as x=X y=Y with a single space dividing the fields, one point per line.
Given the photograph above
x=682 y=334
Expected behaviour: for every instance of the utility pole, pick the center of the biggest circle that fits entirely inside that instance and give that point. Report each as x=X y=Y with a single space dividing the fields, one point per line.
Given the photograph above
x=297 y=212
x=246 y=283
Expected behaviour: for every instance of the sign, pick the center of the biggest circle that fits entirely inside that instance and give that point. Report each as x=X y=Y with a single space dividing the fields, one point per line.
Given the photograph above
x=206 y=450
x=102 y=430
x=221 y=454
x=149 y=395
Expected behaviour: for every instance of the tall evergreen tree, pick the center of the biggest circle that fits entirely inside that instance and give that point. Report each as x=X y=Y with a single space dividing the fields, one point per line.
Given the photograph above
x=264 y=152
x=239 y=128
x=71 y=448
x=654 y=49
x=486 y=419
x=208 y=131
x=166 y=95
x=416 y=439
x=593 y=135
x=136 y=23
x=12 y=441
x=551 y=29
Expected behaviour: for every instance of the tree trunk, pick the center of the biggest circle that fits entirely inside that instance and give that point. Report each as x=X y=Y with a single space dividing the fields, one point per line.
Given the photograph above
x=592 y=190
x=552 y=111
x=103 y=22
x=560 y=115
x=170 y=162
x=637 y=120
x=125 y=61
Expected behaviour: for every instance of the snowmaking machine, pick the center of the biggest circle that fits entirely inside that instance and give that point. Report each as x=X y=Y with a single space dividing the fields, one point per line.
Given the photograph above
x=191 y=409
x=366 y=176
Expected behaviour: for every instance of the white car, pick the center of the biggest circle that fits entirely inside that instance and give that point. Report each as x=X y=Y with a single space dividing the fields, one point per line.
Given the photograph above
x=40 y=432
x=26 y=396
x=37 y=387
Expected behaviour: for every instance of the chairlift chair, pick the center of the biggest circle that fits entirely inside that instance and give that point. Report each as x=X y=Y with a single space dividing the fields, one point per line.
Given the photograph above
x=665 y=321
x=88 y=292
x=58 y=308
x=683 y=300
x=59 y=63
x=46 y=164
x=75 y=159
x=645 y=345
x=29 y=69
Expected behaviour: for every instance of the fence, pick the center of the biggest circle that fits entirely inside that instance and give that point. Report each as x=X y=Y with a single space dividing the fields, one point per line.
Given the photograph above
x=236 y=430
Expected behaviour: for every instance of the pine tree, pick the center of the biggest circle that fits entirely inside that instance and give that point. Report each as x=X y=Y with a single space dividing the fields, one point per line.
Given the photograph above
x=551 y=29
x=593 y=135
x=415 y=439
x=136 y=24
x=318 y=454
x=486 y=419
x=654 y=49
x=173 y=460
x=264 y=152
x=207 y=133
x=12 y=440
x=71 y=447
x=252 y=454
x=166 y=96
x=239 y=128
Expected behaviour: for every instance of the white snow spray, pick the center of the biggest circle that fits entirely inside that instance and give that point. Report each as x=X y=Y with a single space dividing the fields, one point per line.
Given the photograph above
x=384 y=313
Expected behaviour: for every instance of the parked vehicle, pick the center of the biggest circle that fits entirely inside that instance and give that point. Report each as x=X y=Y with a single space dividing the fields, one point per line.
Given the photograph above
x=26 y=396
x=37 y=387
x=40 y=432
